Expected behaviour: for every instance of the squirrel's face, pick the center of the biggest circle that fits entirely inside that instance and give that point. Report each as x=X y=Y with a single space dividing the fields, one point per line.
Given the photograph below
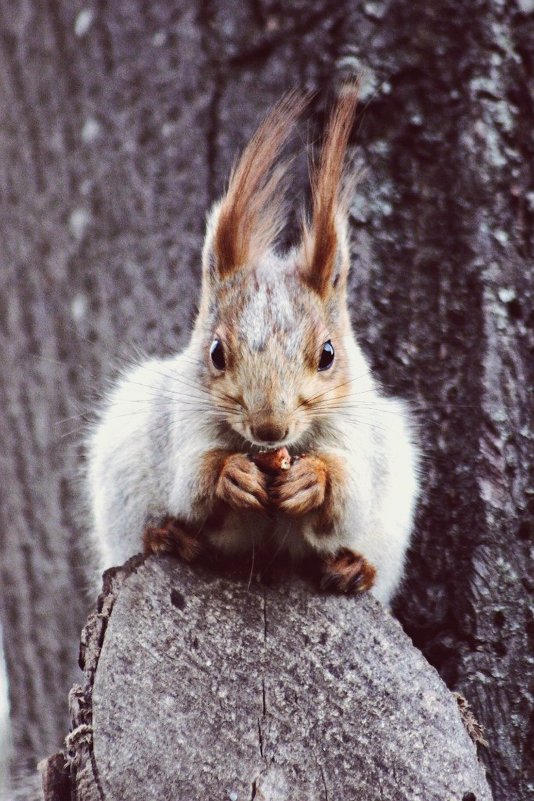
x=273 y=330
x=274 y=354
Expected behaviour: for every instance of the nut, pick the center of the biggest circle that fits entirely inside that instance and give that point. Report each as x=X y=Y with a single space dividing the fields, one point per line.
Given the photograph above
x=273 y=462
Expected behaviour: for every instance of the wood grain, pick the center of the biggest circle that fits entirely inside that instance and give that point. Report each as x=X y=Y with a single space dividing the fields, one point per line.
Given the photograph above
x=208 y=687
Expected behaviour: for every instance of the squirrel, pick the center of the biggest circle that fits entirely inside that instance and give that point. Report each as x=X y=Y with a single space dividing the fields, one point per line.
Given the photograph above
x=273 y=365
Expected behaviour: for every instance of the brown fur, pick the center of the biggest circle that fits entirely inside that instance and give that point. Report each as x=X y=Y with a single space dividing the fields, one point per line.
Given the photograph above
x=318 y=333
x=251 y=214
x=347 y=572
x=174 y=538
x=474 y=728
x=234 y=480
x=330 y=198
x=313 y=482
x=242 y=485
x=302 y=488
x=210 y=471
x=334 y=494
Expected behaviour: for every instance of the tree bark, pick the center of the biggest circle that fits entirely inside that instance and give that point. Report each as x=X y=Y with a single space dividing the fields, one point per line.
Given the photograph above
x=119 y=127
x=203 y=686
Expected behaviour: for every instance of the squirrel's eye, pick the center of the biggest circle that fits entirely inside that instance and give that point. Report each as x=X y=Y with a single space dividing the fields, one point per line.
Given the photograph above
x=327 y=356
x=217 y=354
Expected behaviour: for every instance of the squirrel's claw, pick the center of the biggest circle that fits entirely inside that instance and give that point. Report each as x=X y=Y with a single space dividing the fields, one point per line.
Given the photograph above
x=347 y=572
x=242 y=485
x=173 y=538
x=302 y=488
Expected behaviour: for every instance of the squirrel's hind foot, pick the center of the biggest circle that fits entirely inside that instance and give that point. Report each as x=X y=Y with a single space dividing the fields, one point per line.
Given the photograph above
x=172 y=537
x=347 y=572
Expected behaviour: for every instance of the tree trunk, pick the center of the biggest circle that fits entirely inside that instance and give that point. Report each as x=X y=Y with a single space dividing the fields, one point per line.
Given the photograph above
x=120 y=122
x=201 y=686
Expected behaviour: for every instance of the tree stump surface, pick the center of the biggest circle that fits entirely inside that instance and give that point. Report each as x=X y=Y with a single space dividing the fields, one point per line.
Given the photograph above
x=201 y=686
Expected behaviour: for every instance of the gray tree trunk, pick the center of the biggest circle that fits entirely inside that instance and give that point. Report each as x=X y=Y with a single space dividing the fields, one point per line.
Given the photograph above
x=199 y=686
x=119 y=126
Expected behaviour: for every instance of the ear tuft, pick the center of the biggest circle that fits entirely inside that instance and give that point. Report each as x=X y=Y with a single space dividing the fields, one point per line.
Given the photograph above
x=246 y=222
x=324 y=245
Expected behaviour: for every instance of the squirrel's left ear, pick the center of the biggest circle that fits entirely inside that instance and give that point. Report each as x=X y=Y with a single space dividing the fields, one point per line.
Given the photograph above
x=324 y=257
x=246 y=221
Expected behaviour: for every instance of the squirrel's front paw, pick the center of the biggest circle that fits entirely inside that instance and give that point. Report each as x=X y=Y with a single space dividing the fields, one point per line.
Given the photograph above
x=241 y=484
x=302 y=488
x=173 y=538
x=347 y=571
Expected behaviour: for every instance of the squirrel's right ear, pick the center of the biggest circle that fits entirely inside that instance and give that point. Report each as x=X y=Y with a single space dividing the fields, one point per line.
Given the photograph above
x=247 y=220
x=325 y=251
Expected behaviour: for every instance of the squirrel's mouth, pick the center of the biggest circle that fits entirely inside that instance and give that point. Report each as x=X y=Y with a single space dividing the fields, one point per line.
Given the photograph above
x=291 y=437
x=267 y=445
x=290 y=440
x=256 y=444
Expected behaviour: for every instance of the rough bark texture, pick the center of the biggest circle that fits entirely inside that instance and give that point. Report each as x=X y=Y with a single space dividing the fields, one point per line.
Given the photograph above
x=119 y=126
x=200 y=686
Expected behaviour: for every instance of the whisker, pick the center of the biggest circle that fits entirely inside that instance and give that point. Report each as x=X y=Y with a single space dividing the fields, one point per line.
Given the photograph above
x=352 y=418
x=386 y=407
x=186 y=413
x=65 y=434
x=158 y=394
x=280 y=547
x=251 y=566
x=332 y=389
x=178 y=402
x=191 y=384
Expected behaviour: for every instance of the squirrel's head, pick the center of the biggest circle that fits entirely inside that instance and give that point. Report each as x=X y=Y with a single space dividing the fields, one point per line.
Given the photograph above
x=274 y=329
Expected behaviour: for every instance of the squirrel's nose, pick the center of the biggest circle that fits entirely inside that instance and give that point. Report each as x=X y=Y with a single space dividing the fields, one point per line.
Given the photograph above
x=269 y=432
